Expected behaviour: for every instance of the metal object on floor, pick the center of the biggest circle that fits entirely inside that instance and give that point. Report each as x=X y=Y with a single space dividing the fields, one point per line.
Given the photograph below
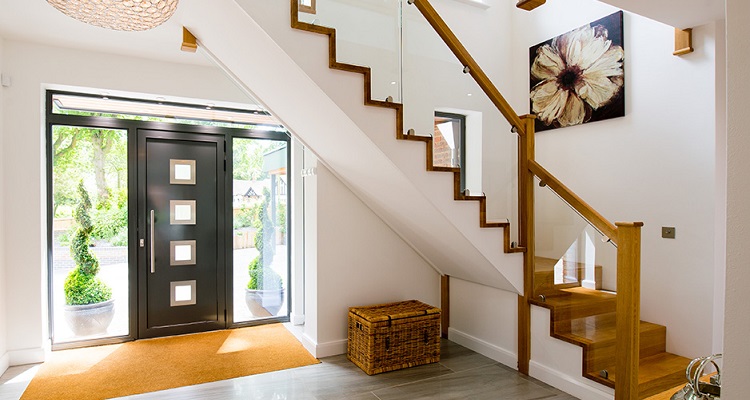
x=697 y=390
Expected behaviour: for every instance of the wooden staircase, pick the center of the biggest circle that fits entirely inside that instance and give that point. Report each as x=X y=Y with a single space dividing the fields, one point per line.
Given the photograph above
x=586 y=318
x=579 y=316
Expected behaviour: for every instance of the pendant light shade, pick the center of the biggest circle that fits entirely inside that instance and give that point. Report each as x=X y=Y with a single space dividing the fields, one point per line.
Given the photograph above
x=121 y=15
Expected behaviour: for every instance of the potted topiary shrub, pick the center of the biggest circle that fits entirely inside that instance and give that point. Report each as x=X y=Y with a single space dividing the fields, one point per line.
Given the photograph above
x=89 y=307
x=264 y=294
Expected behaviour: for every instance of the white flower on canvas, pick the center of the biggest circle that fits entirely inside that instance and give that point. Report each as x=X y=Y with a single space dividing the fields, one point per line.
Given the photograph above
x=580 y=71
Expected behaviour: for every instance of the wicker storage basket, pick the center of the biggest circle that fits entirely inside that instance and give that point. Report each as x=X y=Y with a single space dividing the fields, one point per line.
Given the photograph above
x=392 y=336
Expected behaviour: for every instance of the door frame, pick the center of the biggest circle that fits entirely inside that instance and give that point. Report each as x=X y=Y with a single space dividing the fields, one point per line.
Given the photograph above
x=169 y=136
x=132 y=127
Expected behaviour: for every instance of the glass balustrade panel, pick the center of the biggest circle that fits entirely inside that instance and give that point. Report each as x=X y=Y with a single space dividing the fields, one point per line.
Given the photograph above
x=468 y=131
x=570 y=253
x=368 y=33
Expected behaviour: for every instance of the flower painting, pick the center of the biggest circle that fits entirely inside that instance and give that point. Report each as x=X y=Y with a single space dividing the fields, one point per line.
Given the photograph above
x=579 y=76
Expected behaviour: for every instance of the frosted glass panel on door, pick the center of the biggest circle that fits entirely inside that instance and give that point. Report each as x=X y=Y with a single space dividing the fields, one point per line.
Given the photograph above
x=182 y=252
x=182 y=212
x=182 y=293
x=182 y=172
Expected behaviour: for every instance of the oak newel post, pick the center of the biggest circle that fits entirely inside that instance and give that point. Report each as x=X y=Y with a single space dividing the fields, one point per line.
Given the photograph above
x=525 y=238
x=628 y=309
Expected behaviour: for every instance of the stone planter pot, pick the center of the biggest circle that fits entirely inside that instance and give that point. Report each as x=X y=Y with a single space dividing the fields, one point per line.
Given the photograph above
x=90 y=319
x=264 y=303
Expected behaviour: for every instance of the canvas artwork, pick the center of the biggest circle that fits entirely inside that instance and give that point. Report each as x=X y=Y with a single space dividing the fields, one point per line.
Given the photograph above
x=579 y=76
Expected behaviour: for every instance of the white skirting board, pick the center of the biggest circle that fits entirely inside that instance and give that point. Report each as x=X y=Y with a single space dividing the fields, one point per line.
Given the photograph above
x=26 y=356
x=333 y=348
x=497 y=353
x=318 y=350
x=567 y=384
x=297 y=319
x=4 y=363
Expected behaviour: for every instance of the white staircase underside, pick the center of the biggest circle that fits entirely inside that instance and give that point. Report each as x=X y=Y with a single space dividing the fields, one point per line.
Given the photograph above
x=417 y=205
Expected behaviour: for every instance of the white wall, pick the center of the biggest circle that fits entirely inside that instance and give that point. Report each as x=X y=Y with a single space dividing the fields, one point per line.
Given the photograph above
x=360 y=261
x=33 y=67
x=737 y=319
x=654 y=165
x=485 y=320
x=3 y=287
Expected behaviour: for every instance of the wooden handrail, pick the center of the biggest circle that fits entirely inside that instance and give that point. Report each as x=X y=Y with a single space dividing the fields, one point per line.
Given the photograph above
x=467 y=60
x=587 y=212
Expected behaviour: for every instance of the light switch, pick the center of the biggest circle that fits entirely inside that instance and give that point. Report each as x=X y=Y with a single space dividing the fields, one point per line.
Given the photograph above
x=668 y=232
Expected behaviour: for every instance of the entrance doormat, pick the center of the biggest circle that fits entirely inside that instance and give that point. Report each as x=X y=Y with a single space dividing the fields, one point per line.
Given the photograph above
x=149 y=365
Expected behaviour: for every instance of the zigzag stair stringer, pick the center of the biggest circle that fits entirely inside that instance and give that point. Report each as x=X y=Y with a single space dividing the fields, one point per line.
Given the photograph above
x=366 y=72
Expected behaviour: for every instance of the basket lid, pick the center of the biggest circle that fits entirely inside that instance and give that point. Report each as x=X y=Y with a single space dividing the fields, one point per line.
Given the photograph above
x=403 y=309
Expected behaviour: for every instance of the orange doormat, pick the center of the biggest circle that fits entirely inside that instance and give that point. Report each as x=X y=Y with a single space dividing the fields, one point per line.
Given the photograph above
x=156 y=364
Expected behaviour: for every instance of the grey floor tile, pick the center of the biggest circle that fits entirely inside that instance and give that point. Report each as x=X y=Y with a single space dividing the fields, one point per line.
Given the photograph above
x=489 y=382
x=458 y=358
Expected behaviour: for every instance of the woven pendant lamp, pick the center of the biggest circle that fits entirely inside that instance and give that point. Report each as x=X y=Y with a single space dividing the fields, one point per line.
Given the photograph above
x=121 y=15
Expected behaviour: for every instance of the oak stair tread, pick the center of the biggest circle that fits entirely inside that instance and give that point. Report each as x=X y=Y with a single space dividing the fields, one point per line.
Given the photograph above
x=578 y=302
x=598 y=329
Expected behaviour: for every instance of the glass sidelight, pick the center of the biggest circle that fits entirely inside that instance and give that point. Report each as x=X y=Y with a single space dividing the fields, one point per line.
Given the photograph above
x=259 y=217
x=89 y=221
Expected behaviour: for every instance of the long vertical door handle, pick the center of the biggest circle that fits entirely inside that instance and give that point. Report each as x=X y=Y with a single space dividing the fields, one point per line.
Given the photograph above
x=153 y=256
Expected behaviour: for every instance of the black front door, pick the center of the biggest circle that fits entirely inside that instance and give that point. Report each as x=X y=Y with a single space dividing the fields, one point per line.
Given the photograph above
x=181 y=269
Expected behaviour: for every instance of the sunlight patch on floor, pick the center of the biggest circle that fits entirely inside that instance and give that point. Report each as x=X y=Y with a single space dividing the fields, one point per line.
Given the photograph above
x=235 y=342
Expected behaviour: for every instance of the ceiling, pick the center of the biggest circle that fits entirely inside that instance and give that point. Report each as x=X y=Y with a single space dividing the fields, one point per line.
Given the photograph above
x=36 y=21
x=681 y=14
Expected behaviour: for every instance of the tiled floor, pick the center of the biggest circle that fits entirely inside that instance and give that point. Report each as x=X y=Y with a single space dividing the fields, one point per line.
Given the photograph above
x=461 y=374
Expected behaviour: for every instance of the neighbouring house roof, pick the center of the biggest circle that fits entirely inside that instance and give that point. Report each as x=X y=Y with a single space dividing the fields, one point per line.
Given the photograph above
x=251 y=189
